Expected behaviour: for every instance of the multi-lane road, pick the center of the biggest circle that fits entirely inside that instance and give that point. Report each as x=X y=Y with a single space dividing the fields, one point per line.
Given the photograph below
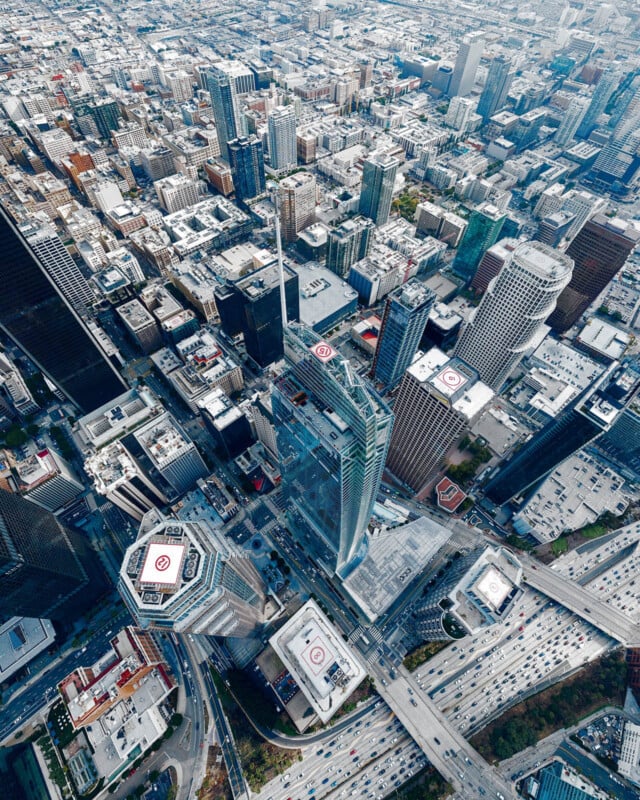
x=443 y=745
x=582 y=601
x=224 y=735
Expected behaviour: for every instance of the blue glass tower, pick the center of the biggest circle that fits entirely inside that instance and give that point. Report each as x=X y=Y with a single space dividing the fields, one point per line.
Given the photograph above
x=226 y=114
x=245 y=157
x=496 y=89
x=378 y=177
x=332 y=434
x=403 y=323
x=483 y=230
x=591 y=416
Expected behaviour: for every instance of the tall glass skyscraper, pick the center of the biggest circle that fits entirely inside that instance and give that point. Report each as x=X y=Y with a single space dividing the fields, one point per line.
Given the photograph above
x=592 y=415
x=46 y=570
x=378 y=177
x=283 y=152
x=513 y=310
x=245 y=155
x=483 y=230
x=404 y=320
x=599 y=250
x=226 y=113
x=332 y=434
x=608 y=83
x=496 y=89
x=37 y=317
x=348 y=243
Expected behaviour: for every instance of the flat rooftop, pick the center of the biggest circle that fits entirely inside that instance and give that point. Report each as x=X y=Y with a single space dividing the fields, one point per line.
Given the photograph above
x=325 y=668
x=452 y=379
x=323 y=294
x=21 y=639
x=396 y=556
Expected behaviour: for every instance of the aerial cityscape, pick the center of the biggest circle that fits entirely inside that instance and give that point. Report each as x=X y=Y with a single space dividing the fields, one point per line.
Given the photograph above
x=320 y=400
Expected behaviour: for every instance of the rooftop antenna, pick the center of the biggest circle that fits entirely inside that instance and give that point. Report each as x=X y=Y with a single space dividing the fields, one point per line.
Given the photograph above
x=273 y=188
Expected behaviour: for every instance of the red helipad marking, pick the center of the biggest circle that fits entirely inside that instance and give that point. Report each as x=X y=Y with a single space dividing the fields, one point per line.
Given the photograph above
x=162 y=563
x=323 y=351
x=451 y=378
x=317 y=655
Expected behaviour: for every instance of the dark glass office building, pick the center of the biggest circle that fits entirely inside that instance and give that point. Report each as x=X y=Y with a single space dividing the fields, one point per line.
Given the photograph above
x=224 y=102
x=599 y=251
x=38 y=319
x=405 y=317
x=247 y=163
x=252 y=307
x=593 y=414
x=46 y=570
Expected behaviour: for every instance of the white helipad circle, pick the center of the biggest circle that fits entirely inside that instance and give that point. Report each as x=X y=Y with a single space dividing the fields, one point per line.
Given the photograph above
x=317 y=655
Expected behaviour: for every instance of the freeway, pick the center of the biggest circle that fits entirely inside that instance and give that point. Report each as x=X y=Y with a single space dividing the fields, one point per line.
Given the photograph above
x=225 y=737
x=443 y=745
x=581 y=601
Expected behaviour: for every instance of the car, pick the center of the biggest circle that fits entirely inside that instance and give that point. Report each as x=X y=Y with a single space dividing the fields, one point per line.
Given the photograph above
x=436 y=740
x=352 y=752
x=413 y=702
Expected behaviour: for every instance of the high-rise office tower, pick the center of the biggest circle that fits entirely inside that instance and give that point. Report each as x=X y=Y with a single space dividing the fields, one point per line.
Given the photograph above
x=466 y=66
x=64 y=271
x=608 y=83
x=118 y=476
x=106 y=115
x=617 y=163
x=460 y=113
x=171 y=452
x=188 y=577
x=622 y=442
x=376 y=194
x=47 y=480
x=573 y=116
x=332 y=434
x=247 y=164
x=513 y=310
x=591 y=415
x=438 y=398
x=491 y=263
x=35 y=314
x=46 y=570
x=229 y=121
x=283 y=147
x=348 y=243
x=252 y=307
x=496 y=89
x=405 y=317
x=100 y=116
x=297 y=198
x=599 y=251
x=483 y=230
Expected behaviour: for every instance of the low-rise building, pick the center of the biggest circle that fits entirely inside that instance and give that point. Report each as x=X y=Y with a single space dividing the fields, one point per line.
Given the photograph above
x=324 y=667
x=118 y=704
x=579 y=491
